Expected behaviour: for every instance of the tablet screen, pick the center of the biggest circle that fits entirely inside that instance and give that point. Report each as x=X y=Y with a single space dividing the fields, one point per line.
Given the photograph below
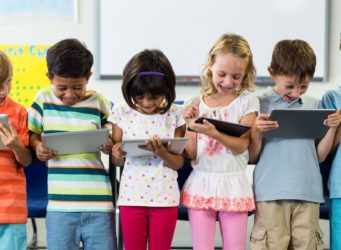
x=299 y=123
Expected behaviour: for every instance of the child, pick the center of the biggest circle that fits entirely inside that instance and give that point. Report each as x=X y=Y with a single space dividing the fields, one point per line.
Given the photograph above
x=332 y=99
x=287 y=179
x=13 y=209
x=218 y=186
x=80 y=197
x=149 y=193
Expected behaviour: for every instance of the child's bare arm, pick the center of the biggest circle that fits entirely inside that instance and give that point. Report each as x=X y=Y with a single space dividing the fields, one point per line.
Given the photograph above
x=107 y=147
x=190 y=114
x=171 y=160
x=261 y=125
x=43 y=154
x=326 y=144
x=117 y=155
x=236 y=144
x=11 y=139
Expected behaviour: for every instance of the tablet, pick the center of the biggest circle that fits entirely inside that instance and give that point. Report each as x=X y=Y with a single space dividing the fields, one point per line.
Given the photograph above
x=299 y=123
x=4 y=121
x=133 y=147
x=77 y=142
x=229 y=128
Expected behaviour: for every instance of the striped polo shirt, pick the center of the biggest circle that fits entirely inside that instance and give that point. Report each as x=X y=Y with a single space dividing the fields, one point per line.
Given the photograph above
x=76 y=182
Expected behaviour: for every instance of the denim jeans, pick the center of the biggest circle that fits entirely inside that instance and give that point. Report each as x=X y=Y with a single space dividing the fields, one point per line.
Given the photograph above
x=65 y=230
x=13 y=236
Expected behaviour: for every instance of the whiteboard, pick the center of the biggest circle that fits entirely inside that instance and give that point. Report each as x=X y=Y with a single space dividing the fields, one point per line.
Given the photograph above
x=185 y=30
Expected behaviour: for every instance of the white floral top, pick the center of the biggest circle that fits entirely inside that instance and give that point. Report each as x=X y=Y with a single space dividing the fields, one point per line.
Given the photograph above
x=145 y=181
x=218 y=180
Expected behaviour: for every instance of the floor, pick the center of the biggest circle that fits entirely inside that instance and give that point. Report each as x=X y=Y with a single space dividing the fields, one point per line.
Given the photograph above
x=182 y=235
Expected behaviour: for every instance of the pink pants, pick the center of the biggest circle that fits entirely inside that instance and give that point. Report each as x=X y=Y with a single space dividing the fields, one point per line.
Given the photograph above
x=153 y=224
x=233 y=227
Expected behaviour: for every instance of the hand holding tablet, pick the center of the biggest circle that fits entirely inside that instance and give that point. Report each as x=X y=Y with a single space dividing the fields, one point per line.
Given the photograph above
x=139 y=147
x=76 y=142
x=229 y=128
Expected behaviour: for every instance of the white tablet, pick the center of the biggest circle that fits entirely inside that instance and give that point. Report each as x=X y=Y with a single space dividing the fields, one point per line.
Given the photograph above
x=86 y=141
x=4 y=121
x=133 y=147
x=299 y=123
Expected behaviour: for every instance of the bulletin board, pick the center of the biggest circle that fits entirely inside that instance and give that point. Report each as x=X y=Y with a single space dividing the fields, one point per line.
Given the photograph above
x=29 y=71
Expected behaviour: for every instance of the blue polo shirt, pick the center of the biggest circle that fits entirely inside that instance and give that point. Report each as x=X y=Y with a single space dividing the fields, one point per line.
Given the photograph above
x=287 y=169
x=332 y=99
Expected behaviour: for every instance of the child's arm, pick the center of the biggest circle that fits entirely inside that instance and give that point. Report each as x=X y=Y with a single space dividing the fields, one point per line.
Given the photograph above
x=190 y=113
x=107 y=147
x=236 y=144
x=261 y=125
x=337 y=138
x=117 y=155
x=10 y=138
x=171 y=160
x=326 y=144
x=43 y=154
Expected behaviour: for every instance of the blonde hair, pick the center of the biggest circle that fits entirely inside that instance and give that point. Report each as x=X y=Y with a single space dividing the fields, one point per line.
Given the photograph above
x=6 y=70
x=238 y=47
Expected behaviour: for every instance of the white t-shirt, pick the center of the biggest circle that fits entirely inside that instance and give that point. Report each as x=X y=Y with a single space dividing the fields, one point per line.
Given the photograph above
x=146 y=181
x=218 y=180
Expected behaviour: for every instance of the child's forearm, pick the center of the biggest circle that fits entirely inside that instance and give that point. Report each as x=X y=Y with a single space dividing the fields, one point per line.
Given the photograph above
x=325 y=145
x=35 y=140
x=23 y=155
x=255 y=146
x=172 y=161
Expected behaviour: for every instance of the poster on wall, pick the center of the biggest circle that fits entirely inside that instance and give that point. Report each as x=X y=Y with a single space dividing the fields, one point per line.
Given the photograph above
x=29 y=71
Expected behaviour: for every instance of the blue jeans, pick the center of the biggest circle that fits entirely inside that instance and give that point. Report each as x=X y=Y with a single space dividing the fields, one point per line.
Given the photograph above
x=12 y=236
x=65 y=230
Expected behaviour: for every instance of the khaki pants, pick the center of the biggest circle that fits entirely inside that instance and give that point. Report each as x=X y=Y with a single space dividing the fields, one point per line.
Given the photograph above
x=286 y=224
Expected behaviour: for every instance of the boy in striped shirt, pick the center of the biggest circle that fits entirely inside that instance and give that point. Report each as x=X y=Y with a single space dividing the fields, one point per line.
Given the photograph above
x=80 y=204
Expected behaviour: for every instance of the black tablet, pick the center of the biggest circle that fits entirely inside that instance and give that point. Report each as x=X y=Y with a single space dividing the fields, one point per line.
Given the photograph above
x=299 y=123
x=229 y=128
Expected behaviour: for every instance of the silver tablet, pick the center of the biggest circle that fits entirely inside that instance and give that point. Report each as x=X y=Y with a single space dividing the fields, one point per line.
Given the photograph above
x=76 y=142
x=134 y=147
x=299 y=123
x=4 y=121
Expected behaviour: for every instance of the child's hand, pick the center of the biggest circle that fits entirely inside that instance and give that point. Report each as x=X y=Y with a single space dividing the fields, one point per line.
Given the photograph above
x=156 y=146
x=205 y=128
x=117 y=153
x=191 y=111
x=45 y=154
x=106 y=148
x=9 y=136
x=263 y=124
x=333 y=120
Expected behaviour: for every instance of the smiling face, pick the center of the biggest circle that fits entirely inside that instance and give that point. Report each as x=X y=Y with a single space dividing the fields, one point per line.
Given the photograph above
x=149 y=104
x=228 y=72
x=289 y=88
x=69 y=90
x=5 y=88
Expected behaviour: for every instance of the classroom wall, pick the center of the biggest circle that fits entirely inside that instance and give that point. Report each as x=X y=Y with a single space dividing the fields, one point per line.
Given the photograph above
x=86 y=31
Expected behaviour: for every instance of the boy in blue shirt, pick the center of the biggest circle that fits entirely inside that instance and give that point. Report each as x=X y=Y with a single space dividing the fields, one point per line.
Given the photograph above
x=287 y=180
x=332 y=99
x=80 y=204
